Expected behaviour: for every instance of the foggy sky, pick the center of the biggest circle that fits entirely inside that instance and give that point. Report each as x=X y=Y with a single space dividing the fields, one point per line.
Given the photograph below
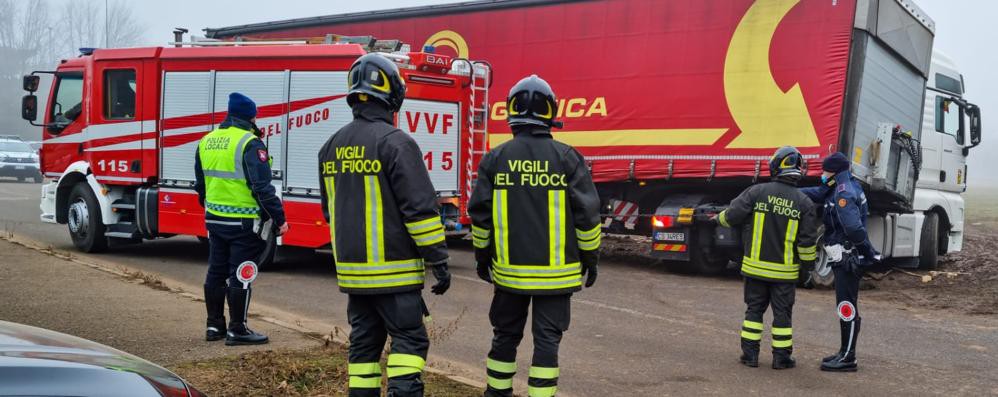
x=964 y=31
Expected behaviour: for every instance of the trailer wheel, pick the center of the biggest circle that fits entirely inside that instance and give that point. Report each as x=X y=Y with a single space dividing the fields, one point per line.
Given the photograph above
x=928 y=245
x=822 y=273
x=706 y=264
x=84 y=220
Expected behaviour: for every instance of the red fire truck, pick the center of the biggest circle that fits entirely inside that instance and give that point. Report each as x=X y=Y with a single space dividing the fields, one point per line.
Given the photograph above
x=122 y=126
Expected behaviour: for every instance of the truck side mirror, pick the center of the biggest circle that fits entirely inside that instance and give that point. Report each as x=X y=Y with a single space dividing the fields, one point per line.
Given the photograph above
x=31 y=83
x=974 y=112
x=29 y=107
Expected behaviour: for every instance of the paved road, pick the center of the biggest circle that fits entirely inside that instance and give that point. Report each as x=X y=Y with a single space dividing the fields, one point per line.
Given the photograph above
x=640 y=331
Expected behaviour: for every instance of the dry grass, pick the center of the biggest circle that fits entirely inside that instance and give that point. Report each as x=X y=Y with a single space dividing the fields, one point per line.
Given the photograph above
x=319 y=371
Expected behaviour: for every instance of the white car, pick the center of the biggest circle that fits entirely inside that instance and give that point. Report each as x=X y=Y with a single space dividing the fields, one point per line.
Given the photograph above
x=18 y=159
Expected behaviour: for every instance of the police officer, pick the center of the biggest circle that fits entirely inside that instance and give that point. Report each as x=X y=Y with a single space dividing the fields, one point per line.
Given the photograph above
x=779 y=230
x=385 y=226
x=232 y=169
x=848 y=248
x=536 y=232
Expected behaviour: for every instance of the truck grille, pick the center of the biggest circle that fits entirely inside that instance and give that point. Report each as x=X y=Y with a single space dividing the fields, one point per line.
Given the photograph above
x=25 y=160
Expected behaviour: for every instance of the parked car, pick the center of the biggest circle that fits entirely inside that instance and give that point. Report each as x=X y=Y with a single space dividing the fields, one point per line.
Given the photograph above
x=40 y=362
x=18 y=159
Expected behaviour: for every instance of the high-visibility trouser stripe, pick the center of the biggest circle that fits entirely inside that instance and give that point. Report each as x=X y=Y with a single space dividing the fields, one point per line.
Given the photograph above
x=807 y=253
x=589 y=240
x=789 y=240
x=543 y=382
x=500 y=374
x=364 y=375
x=777 y=271
x=556 y=227
x=331 y=207
x=783 y=337
x=500 y=220
x=374 y=223
x=757 y=226
x=722 y=218
x=480 y=236
x=751 y=330
x=400 y=364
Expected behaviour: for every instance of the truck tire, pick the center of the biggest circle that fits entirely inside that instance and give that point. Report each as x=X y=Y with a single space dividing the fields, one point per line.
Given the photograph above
x=822 y=273
x=705 y=264
x=84 y=220
x=928 y=245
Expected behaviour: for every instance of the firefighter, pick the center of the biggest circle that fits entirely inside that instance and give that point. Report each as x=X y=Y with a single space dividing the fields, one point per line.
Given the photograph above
x=779 y=233
x=848 y=249
x=385 y=227
x=536 y=232
x=232 y=170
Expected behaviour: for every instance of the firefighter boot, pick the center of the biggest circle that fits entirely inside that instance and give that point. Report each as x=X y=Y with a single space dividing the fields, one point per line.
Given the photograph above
x=847 y=361
x=782 y=359
x=750 y=353
x=239 y=333
x=214 y=301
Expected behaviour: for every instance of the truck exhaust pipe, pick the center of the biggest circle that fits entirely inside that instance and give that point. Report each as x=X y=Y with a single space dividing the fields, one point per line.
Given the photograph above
x=178 y=36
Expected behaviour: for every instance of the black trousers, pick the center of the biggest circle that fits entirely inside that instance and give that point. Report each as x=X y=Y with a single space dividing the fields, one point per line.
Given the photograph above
x=372 y=319
x=508 y=315
x=759 y=295
x=231 y=242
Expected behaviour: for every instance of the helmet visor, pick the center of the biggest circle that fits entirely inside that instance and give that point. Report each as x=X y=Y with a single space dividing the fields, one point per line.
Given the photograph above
x=527 y=103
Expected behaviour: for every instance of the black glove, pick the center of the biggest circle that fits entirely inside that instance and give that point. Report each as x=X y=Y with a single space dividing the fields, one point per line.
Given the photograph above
x=442 y=275
x=805 y=278
x=590 y=266
x=483 y=262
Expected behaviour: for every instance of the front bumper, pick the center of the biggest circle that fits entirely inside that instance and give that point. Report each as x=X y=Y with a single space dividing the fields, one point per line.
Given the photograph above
x=20 y=169
x=47 y=204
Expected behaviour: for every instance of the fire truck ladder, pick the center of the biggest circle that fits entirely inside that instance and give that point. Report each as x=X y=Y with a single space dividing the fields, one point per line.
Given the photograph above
x=478 y=119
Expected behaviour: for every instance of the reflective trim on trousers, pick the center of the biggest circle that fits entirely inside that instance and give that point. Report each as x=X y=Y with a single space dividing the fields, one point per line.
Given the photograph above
x=400 y=364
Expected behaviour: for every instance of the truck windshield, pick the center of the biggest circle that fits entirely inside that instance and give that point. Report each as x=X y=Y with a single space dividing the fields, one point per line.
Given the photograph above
x=68 y=99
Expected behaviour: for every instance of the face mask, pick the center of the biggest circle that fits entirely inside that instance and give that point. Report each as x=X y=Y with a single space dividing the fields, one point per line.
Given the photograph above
x=824 y=179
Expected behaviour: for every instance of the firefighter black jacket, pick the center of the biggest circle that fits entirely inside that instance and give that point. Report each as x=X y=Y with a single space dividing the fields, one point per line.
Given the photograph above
x=779 y=229
x=380 y=204
x=535 y=207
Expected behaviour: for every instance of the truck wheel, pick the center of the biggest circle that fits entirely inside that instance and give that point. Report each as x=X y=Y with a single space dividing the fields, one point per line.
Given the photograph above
x=706 y=264
x=928 y=245
x=822 y=274
x=84 y=220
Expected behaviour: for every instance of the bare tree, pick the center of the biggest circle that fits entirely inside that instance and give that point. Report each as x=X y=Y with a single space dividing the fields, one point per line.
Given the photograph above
x=34 y=35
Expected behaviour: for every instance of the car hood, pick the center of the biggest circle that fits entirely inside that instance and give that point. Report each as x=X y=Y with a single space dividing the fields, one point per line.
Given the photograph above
x=23 y=341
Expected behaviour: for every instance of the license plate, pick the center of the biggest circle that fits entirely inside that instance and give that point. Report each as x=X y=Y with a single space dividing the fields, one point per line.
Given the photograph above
x=18 y=167
x=665 y=236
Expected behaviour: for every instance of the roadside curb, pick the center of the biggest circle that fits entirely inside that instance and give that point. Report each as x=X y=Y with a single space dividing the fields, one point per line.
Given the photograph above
x=308 y=329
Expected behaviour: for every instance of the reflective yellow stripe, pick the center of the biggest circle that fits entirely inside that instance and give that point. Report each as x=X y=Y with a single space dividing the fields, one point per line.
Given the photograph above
x=783 y=343
x=423 y=226
x=788 y=242
x=572 y=281
x=752 y=325
x=373 y=219
x=757 y=224
x=723 y=218
x=556 y=227
x=376 y=268
x=331 y=207
x=756 y=269
x=500 y=384
x=480 y=232
x=358 y=382
x=751 y=335
x=400 y=364
x=500 y=220
x=783 y=331
x=589 y=240
x=807 y=253
x=544 y=372
x=589 y=234
x=480 y=243
x=501 y=366
x=773 y=266
x=364 y=369
x=808 y=257
x=430 y=238
x=542 y=391
x=547 y=271
x=807 y=250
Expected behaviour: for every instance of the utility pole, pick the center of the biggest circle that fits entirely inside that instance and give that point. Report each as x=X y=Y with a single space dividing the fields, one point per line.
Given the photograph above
x=107 y=28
